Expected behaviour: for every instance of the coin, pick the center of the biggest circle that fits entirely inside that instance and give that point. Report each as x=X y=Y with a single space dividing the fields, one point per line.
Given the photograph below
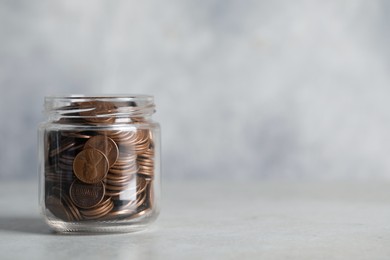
x=124 y=136
x=56 y=207
x=86 y=195
x=74 y=212
x=132 y=169
x=143 y=140
x=127 y=214
x=65 y=145
x=101 y=207
x=140 y=200
x=97 y=111
x=58 y=176
x=99 y=211
x=66 y=205
x=106 y=145
x=90 y=166
x=73 y=134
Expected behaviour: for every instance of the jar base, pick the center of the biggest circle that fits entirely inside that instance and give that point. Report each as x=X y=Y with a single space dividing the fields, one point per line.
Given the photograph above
x=62 y=227
x=114 y=227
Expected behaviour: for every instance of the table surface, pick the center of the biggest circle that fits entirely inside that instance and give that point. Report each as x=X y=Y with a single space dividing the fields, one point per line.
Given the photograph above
x=219 y=220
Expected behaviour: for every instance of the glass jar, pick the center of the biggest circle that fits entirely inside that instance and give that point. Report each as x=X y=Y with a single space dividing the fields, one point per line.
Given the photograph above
x=99 y=163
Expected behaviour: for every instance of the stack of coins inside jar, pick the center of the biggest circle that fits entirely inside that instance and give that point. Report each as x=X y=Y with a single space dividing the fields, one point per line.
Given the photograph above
x=98 y=173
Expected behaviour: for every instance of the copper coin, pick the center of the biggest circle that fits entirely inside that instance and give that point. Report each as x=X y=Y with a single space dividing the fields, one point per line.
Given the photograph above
x=106 y=145
x=90 y=166
x=79 y=135
x=86 y=195
x=72 y=208
x=56 y=207
x=102 y=214
x=99 y=211
x=127 y=214
x=98 y=111
x=101 y=207
x=64 y=147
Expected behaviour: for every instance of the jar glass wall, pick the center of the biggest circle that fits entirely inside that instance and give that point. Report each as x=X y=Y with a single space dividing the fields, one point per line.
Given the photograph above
x=99 y=163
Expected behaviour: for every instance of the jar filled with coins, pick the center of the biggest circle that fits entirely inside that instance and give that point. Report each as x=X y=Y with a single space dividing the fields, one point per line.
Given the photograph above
x=99 y=163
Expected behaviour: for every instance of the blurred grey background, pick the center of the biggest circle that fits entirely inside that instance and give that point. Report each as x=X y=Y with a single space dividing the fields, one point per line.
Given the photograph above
x=245 y=89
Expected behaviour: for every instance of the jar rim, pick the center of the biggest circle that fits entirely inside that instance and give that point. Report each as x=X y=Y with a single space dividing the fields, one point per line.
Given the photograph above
x=116 y=105
x=106 y=97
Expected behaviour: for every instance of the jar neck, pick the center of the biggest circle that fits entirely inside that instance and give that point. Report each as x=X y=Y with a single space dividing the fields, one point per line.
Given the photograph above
x=99 y=109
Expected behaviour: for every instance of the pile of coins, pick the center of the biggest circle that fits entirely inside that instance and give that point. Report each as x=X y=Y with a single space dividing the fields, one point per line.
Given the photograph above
x=99 y=174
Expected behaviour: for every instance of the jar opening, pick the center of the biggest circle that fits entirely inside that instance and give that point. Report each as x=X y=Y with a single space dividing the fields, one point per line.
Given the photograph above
x=99 y=109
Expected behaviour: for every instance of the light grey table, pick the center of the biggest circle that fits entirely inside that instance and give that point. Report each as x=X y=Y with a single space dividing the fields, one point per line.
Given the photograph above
x=219 y=220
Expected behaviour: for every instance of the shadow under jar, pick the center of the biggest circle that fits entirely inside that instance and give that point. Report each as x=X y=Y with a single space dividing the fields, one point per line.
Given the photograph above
x=99 y=163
